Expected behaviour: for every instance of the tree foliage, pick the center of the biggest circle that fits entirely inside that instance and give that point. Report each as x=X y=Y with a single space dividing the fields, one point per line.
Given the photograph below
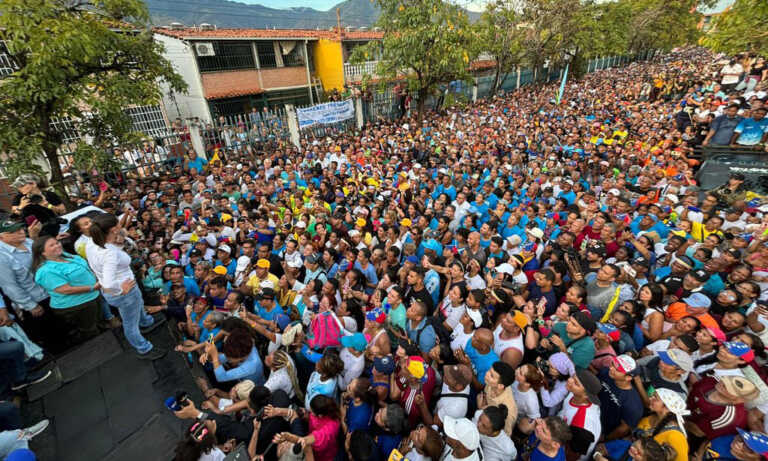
x=742 y=28
x=498 y=33
x=428 y=42
x=86 y=60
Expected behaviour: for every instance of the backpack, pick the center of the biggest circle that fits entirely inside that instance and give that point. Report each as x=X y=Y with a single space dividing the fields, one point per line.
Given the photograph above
x=471 y=402
x=325 y=331
x=442 y=334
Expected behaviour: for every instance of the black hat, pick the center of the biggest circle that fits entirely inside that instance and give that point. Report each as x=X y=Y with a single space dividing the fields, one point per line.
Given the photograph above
x=266 y=293
x=586 y=322
x=700 y=275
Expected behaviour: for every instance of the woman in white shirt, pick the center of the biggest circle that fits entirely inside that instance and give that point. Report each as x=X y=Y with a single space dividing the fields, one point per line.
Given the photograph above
x=283 y=374
x=112 y=267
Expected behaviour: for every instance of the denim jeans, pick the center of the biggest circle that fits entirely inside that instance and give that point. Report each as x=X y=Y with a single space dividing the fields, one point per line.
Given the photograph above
x=13 y=369
x=10 y=441
x=131 y=307
x=105 y=311
x=10 y=417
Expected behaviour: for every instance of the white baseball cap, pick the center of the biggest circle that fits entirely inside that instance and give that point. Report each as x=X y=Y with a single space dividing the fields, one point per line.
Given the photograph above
x=476 y=316
x=242 y=263
x=462 y=430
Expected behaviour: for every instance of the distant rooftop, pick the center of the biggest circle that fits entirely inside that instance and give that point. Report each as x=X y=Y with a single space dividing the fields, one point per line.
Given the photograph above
x=718 y=8
x=187 y=33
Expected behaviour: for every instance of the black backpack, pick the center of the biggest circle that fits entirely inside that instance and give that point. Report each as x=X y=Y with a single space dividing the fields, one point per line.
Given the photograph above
x=443 y=334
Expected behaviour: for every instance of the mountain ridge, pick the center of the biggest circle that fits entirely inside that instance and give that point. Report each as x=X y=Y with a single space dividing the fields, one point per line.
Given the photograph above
x=233 y=14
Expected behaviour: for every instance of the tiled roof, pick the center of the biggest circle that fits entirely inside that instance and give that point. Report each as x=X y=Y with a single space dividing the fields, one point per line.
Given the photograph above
x=362 y=35
x=285 y=34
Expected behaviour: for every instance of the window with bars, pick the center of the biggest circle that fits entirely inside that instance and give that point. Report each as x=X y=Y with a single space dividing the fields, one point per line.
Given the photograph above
x=228 y=55
x=266 y=51
x=296 y=57
x=7 y=65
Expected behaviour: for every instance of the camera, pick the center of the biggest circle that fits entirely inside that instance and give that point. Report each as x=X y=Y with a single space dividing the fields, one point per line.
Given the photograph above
x=543 y=366
x=35 y=199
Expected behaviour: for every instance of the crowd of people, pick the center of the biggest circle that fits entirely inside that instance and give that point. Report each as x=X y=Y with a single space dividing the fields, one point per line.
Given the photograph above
x=513 y=279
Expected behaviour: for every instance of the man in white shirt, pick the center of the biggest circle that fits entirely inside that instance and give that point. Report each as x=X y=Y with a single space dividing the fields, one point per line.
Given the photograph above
x=454 y=395
x=462 y=440
x=731 y=73
x=581 y=408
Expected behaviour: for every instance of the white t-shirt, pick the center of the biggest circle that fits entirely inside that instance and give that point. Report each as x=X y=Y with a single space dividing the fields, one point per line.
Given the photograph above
x=459 y=338
x=214 y=455
x=353 y=367
x=735 y=70
x=586 y=417
x=279 y=380
x=499 y=448
x=527 y=402
x=452 y=313
x=455 y=407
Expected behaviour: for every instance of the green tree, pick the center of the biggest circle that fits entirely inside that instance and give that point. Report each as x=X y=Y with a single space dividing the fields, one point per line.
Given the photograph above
x=86 y=60
x=742 y=28
x=499 y=32
x=662 y=24
x=428 y=42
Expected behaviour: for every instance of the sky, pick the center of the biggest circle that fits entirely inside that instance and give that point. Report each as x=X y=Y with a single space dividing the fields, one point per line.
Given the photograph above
x=324 y=5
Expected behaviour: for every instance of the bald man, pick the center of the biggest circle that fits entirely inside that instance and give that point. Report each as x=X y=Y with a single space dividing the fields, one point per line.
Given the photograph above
x=479 y=353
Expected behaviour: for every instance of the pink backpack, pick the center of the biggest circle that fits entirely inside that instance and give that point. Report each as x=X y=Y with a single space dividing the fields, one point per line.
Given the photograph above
x=325 y=331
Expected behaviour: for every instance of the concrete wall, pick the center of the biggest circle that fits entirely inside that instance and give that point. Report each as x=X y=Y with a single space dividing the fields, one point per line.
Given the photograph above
x=329 y=64
x=193 y=103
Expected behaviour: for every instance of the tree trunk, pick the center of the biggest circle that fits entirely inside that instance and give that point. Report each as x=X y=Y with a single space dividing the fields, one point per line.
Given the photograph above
x=57 y=178
x=422 y=101
x=496 y=76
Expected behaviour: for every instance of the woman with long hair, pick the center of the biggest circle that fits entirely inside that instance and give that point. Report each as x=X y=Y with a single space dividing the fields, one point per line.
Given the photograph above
x=112 y=267
x=73 y=288
x=283 y=374
x=651 y=297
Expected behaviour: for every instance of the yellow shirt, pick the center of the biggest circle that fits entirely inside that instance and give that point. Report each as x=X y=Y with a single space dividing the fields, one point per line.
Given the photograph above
x=255 y=281
x=673 y=438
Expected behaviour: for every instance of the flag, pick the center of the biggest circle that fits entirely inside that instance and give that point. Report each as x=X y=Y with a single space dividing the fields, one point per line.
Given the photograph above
x=562 y=84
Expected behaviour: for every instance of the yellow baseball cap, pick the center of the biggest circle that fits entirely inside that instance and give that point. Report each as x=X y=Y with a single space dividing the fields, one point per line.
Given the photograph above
x=221 y=270
x=263 y=263
x=360 y=222
x=405 y=222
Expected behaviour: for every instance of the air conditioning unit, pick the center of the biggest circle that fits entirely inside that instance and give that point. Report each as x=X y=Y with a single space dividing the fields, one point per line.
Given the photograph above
x=176 y=26
x=204 y=49
x=206 y=26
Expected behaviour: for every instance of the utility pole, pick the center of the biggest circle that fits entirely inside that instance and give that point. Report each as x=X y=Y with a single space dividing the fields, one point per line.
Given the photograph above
x=338 y=21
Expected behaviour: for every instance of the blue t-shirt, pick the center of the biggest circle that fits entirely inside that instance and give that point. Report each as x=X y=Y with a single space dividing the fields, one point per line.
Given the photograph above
x=617 y=405
x=537 y=455
x=190 y=286
x=432 y=284
x=752 y=131
x=198 y=163
x=359 y=417
x=231 y=267
x=480 y=362
x=75 y=272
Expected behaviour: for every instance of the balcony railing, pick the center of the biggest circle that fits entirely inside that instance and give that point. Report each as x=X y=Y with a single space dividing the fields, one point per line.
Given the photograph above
x=356 y=72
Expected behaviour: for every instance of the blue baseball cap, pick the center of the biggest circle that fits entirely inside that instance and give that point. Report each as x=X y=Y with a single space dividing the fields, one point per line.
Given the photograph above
x=433 y=245
x=384 y=365
x=755 y=441
x=412 y=259
x=356 y=341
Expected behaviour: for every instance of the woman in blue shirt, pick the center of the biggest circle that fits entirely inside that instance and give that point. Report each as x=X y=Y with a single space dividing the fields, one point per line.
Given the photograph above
x=73 y=288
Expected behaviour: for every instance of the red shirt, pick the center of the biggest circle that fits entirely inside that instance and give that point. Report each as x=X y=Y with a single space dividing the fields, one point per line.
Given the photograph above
x=408 y=393
x=714 y=419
